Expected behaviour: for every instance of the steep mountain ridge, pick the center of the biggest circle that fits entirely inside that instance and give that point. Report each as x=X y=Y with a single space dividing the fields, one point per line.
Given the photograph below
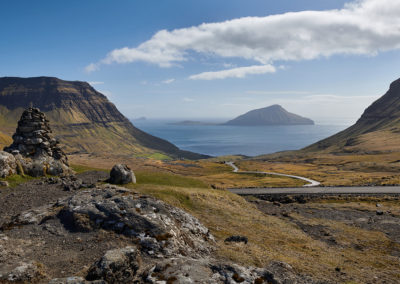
x=378 y=128
x=272 y=115
x=84 y=119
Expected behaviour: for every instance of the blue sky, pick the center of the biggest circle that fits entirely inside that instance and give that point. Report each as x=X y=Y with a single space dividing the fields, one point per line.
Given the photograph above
x=327 y=60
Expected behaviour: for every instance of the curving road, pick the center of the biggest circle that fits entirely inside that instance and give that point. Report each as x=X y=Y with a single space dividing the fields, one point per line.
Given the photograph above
x=311 y=182
x=312 y=188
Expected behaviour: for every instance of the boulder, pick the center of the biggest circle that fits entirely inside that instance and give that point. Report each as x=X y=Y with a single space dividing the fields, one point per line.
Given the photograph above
x=8 y=165
x=121 y=174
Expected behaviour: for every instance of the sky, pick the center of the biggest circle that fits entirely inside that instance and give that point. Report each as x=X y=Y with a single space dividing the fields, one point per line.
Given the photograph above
x=210 y=59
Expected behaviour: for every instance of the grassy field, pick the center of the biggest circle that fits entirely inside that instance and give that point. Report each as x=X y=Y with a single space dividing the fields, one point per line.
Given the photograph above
x=212 y=173
x=333 y=169
x=272 y=238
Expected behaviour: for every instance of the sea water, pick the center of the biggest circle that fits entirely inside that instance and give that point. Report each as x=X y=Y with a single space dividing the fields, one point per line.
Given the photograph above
x=218 y=140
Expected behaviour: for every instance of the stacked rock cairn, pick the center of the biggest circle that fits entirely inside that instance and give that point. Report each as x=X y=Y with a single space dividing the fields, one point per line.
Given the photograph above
x=33 y=140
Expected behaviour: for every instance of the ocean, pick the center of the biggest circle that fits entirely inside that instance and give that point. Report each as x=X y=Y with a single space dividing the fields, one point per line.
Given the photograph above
x=218 y=140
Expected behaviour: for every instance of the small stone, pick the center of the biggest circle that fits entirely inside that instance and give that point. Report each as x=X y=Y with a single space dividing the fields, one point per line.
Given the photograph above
x=276 y=203
x=237 y=239
x=379 y=212
x=4 y=183
x=378 y=205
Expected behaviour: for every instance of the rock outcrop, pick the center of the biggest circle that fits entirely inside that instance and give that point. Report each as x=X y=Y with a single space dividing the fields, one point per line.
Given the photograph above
x=34 y=148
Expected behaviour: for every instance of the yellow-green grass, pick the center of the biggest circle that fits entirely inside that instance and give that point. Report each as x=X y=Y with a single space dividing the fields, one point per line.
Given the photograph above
x=161 y=178
x=275 y=239
x=152 y=177
x=83 y=168
x=15 y=180
x=159 y=156
x=5 y=140
x=334 y=170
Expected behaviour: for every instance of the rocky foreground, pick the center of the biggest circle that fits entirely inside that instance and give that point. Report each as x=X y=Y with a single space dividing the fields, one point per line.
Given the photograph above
x=75 y=230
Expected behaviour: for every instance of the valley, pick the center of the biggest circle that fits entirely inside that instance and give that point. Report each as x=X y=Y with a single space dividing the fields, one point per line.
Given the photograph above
x=322 y=237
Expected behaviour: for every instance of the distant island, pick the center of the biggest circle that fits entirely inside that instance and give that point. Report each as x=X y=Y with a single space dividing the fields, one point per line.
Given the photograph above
x=192 y=122
x=272 y=115
x=142 y=118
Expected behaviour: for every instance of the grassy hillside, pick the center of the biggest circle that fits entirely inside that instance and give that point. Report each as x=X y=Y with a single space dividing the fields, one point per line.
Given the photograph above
x=83 y=119
x=378 y=129
x=5 y=140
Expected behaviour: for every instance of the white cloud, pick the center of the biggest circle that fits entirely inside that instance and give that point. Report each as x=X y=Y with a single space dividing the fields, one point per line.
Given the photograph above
x=239 y=72
x=96 y=83
x=92 y=67
x=168 y=81
x=188 y=100
x=363 y=27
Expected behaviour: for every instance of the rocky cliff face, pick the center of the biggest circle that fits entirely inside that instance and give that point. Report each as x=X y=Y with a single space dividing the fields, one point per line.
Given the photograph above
x=272 y=115
x=379 y=124
x=83 y=118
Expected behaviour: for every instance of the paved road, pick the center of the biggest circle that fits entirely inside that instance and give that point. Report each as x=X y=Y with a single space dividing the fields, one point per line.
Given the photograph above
x=319 y=190
x=310 y=181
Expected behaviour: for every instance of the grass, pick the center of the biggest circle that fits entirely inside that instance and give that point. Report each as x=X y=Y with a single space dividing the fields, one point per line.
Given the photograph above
x=168 y=179
x=159 y=156
x=15 y=180
x=333 y=169
x=276 y=239
x=83 y=168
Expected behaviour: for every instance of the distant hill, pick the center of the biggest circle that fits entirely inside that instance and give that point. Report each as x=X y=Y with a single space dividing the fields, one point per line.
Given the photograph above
x=192 y=122
x=377 y=130
x=84 y=119
x=272 y=115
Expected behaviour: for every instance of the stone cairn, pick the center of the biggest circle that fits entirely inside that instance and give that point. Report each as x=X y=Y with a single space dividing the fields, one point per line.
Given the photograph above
x=34 y=144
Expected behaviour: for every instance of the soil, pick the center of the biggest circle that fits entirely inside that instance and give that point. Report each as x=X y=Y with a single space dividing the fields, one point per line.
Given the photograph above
x=379 y=219
x=62 y=252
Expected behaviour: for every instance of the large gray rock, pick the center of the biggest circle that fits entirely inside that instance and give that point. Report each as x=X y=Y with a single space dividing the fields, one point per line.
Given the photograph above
x=121 y=174
x=116 y=266
x=8 y=165
x=159 y=228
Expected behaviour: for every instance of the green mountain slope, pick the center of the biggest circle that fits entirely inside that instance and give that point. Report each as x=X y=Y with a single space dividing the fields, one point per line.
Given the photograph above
x=83 y=119
x=377 y=130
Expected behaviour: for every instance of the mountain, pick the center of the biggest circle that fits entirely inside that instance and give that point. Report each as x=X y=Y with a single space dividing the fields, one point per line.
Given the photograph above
x=81 y=117
x=378 y=129
x=272 y=115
